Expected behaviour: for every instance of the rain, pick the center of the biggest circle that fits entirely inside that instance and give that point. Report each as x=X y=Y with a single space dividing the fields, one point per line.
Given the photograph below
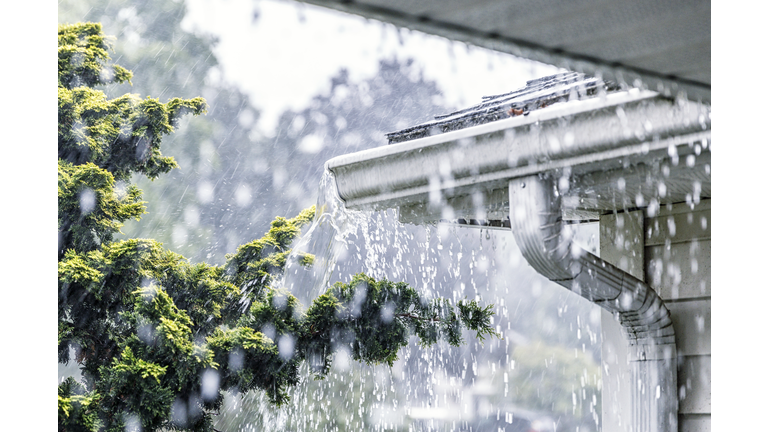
x=291 y=86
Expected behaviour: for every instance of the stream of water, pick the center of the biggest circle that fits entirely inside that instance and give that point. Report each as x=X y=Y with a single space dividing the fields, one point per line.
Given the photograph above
x=327 y=239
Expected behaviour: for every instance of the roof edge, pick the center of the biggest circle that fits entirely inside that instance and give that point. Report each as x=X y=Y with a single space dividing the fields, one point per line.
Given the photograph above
x=626 y=75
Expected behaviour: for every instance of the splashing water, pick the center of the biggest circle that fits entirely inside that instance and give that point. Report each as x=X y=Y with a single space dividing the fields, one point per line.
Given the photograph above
x=326 y=239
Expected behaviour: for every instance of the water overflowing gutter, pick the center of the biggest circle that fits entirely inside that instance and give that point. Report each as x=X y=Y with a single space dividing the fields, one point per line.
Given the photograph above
x=516 y=163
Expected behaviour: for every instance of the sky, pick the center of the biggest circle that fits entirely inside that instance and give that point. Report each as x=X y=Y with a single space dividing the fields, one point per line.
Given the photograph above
x=291 y=50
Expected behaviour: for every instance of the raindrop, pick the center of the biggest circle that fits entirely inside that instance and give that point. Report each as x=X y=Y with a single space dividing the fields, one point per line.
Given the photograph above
x=340 y=123
x=236 y=360
x=209 y=385
x=191 y=215
x=639 y=199
x=269 y=331
x=703 y=121
x=205 y=192
x=569 y=139
x=311 y=144
x=246 y=118
x=142 y=149
x=342 y=362
x=554 y=143
x=146 y=333
x=622 y=116
x=672 y=151
x=121 y=188
x=179 y=235
x=279 y=177
x=132 y=422
x=87 y=201
x=625 y=300
x=648 y=126
x=179 y=413
x=653 y=207
x=285 y=346
x=671 y=226
x=696 y=192
x=435 y=196
x=388 y=313
x=243 y=195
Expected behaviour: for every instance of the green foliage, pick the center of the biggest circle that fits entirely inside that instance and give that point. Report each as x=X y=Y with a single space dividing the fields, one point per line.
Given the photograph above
x=90 y=211
x=159 y=338
x=250 y=360
x=77 y=409
x=83 y=50
x=477 y=318
x=121 y=135
x=376 y=318
x=263 y=259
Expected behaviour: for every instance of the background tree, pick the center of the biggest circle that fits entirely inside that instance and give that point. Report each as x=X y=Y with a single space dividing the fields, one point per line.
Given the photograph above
x=160 y=338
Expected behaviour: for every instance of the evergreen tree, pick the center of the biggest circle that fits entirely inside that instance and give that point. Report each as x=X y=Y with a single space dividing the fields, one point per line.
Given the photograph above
x=160 y=338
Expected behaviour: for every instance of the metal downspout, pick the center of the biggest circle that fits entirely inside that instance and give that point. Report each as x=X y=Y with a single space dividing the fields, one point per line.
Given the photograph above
x=546 y=243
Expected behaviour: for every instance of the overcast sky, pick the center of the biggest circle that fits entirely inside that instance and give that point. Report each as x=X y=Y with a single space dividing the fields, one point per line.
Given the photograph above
x=291 y=50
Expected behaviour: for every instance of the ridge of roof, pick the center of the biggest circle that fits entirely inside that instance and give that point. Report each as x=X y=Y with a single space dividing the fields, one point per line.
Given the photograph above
x=538 y=93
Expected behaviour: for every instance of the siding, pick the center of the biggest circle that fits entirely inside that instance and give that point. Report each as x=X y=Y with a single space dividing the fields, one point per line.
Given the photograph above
x=678 y=267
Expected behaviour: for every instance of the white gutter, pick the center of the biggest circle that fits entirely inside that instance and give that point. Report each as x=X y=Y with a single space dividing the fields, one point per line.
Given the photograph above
x=546 y=243
x=486 y=156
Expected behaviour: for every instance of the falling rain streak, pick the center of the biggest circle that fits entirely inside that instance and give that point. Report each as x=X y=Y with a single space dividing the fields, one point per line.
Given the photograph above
x=520 y=379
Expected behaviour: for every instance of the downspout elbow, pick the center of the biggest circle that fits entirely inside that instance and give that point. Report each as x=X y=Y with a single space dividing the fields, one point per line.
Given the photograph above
x=546 y=243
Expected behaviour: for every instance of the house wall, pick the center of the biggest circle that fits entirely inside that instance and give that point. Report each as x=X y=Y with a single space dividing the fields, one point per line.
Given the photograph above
x=678 y=267
x=672 y=253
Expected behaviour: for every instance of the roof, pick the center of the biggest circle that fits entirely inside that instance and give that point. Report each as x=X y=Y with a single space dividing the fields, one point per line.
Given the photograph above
x=538 y=93
x=666 y=45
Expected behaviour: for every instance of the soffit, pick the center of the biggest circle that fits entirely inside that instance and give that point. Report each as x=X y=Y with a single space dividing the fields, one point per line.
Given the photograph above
x=663 y=44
